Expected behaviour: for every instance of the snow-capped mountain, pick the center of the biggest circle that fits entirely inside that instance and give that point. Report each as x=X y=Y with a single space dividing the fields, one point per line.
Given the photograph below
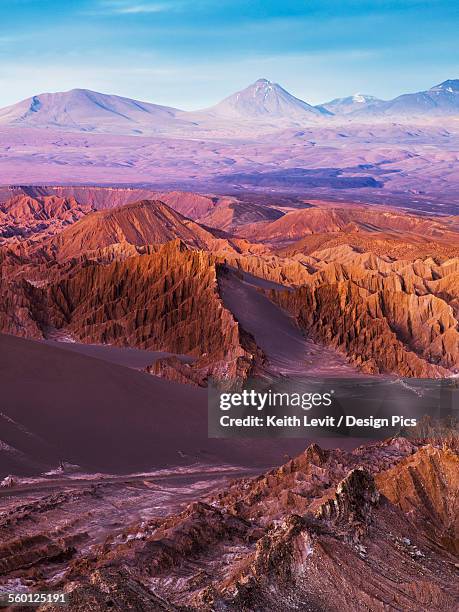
x=438 y=101
x=85 y=110
x=264 y=100
x=451 y=86
x=344 y=106
x=263 y=107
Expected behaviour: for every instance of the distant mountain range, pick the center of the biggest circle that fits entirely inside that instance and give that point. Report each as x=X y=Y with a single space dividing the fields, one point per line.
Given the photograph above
x=344 y=106
x=261 y=105
x=438 y=101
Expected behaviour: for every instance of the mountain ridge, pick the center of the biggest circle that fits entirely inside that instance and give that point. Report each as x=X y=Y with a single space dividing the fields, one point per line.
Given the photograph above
x=348 y=104
x=441 y=100
x=145 y=222
x=87 y=110
x=264 y=104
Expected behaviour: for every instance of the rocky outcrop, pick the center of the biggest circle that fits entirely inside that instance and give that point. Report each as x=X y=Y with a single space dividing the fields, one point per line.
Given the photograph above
x=8 y=482
x=114 y=589
x=307 y=482
x=386 y=314
x=357 y=540
x=377 y=319
x=155 y=300
x=352 y=504
x=227 y=369
x=23 y=217
x=267 y=267
x=173 y=368
x=149 y=301
x=426 y=487
x=27 y=552
x=363 y=525
x=20 y=309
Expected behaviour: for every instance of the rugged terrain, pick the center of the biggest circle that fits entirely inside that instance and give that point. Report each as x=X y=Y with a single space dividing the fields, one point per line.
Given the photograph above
x=118 y=305
x=377 y=286
x=371 y=529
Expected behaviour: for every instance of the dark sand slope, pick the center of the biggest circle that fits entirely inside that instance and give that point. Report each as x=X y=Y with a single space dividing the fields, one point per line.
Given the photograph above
x=287 y=350
x=56 y=404
x=126 y=356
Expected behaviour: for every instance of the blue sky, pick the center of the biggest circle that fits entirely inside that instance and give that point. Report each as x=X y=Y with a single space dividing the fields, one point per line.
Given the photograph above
x=190 y=54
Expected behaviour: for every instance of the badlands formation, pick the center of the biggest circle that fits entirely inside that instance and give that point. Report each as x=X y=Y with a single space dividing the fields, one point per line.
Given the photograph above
x=117 y=305
x=144 y=250
x=371 y=529
x=378 y=285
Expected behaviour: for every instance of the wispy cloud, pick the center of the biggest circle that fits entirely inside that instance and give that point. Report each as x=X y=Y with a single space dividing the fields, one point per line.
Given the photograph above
x=127 y=7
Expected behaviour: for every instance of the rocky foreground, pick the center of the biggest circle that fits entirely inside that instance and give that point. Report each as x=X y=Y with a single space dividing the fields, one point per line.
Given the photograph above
x=372 y=529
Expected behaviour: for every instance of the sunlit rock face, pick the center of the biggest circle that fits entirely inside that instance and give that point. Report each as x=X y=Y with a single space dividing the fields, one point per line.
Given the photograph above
x=379 y=286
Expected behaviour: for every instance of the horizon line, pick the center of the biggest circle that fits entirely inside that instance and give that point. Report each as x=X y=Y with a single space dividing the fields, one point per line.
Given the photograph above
x=84 y=89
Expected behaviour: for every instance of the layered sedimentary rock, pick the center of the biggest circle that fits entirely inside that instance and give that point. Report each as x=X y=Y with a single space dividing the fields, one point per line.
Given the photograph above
x=425 y=485
x=286 y=539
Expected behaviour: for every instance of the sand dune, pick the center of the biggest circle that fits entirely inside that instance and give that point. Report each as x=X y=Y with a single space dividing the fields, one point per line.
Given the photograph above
x=58 y=405
x=119 y=355
x=287 y=350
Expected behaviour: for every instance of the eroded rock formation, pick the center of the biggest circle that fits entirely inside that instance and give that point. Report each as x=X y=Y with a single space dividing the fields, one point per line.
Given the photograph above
x=360 y=521
x=387 y=316
x=387 y=313
x=23 y=217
